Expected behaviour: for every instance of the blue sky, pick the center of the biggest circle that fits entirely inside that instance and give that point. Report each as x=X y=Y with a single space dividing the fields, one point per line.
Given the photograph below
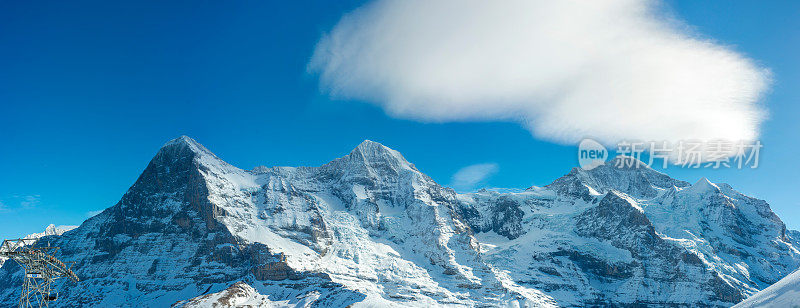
x=89 y=90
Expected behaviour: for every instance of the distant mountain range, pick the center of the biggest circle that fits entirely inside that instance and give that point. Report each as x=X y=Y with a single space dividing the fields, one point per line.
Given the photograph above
x=369 y=229
x=50 y=230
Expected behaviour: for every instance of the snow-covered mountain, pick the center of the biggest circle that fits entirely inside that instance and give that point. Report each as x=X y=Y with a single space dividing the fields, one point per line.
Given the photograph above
x=50 y=230
x=369 y=229
x=633 y=235
x=784 y=293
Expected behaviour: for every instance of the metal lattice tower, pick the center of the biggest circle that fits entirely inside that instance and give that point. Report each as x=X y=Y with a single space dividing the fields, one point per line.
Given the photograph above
x=41 y=270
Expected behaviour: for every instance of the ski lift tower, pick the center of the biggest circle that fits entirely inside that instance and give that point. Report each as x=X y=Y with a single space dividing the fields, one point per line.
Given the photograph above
x=41 y=269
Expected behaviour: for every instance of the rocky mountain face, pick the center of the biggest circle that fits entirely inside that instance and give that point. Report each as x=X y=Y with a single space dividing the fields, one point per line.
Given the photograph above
x=369 y=229
x=632 y=235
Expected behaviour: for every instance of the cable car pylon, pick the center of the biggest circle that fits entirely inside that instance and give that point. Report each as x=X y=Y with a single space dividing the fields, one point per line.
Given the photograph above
x=41 y=270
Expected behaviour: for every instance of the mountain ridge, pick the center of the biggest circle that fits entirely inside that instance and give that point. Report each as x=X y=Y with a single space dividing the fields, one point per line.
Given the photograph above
x=370 y=229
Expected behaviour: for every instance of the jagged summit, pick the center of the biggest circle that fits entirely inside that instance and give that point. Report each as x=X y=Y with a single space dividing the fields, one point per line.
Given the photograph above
x=185 y=143
x=369 y=144
x=371 y=158
x=182 y=140
x=186 y=152
x=704 y=181
x=622 y=173
x=703 y=186
x=372 y=151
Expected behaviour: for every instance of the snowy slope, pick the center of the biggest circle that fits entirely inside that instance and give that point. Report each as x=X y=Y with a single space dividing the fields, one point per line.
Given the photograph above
x=350 y=219
x=784 y=293
x=369 y=229
x=242 y=294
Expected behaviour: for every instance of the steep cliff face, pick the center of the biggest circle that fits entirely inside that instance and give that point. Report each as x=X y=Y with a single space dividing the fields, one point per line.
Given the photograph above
x=370 y=229
x=160 y=244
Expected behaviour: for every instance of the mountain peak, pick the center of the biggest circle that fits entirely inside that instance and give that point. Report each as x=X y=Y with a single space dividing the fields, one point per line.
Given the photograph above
x=370 y=158
x=371 y=151
x=704 y=185
x=372 y=146
x=185 y=146
x=186 y=153
x=183 y=139
x=623 y=173
x=185 y=142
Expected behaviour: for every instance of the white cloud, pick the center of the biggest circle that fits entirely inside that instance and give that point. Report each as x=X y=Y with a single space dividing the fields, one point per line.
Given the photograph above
x=29 y=201
x=470 y=176
x=611 y=70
